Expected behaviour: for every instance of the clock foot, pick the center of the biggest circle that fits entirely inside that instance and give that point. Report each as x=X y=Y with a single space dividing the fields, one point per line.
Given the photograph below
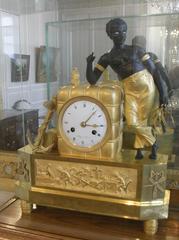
x=26 y=207
x=151 y=226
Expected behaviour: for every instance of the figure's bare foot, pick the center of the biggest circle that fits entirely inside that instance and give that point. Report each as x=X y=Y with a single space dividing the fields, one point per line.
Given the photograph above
x=153 y=154
x=139 y=154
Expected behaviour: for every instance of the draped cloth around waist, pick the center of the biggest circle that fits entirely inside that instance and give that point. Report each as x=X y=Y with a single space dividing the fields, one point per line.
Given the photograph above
x=139 y=92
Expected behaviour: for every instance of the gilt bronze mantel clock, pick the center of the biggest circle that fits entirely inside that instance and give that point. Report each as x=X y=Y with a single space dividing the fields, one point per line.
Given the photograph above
x=89 y=120
x=81 y=165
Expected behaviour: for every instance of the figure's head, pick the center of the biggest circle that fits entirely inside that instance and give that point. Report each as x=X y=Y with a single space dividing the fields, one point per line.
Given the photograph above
x=116 y=29
x=139 y=41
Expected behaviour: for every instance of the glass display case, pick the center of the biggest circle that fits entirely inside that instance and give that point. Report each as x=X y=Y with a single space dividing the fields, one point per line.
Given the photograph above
x=22 y=34
x=76 y=39
x=81 y=31
x=34 y=65
x=22 y=92
x=41 y=41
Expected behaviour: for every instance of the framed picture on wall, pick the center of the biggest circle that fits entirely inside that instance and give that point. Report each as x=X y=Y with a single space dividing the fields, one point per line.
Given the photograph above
x=20 y=67
x=46 y=64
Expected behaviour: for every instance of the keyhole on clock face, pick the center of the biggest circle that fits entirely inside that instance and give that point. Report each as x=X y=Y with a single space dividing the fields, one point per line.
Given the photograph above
x=72 y=129
x=94 y=132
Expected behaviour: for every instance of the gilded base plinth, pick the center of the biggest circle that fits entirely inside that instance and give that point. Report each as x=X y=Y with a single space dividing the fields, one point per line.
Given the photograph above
x=122 y=187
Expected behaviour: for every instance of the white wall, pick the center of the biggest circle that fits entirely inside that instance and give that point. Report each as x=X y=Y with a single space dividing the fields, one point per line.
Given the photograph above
x=80 y=37
x=28 y=33
x=76 y=39
x=9 y=44
x=19 y=7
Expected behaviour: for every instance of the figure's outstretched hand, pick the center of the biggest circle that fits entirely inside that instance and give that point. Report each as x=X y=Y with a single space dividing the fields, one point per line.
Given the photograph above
x=90 y=58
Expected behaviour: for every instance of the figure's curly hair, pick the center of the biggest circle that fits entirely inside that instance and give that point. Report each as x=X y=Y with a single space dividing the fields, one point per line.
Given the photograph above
x=116 y=21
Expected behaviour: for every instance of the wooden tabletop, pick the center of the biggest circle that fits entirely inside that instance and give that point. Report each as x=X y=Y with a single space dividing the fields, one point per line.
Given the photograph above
x=49 y=223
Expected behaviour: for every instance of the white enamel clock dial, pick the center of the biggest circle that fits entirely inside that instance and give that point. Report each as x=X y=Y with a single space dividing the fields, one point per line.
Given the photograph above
x=84 y=123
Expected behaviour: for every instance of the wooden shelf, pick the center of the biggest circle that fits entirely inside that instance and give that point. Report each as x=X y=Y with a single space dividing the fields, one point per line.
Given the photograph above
x=50 y=223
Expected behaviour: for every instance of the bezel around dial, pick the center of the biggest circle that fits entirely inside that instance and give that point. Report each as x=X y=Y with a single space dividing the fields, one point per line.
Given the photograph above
x=63 y=134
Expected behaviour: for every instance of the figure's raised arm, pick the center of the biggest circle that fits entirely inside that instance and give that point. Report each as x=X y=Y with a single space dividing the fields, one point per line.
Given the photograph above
x=92 y=76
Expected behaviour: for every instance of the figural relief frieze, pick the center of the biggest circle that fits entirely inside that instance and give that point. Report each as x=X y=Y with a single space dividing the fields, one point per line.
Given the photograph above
x=89 y=178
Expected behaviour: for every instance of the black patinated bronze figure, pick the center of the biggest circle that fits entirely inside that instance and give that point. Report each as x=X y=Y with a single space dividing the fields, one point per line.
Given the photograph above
x=139 y=77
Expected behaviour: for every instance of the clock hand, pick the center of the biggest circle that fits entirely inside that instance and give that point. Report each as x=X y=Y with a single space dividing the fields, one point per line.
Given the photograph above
x=83 y=124
x=93 y=125
x=89 y=117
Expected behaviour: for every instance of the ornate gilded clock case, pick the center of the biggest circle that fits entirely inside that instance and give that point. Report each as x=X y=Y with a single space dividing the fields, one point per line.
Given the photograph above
x=96 y=110
x=96 y=177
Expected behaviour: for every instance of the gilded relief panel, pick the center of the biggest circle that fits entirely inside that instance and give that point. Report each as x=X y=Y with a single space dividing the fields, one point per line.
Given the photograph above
x=86 y=178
